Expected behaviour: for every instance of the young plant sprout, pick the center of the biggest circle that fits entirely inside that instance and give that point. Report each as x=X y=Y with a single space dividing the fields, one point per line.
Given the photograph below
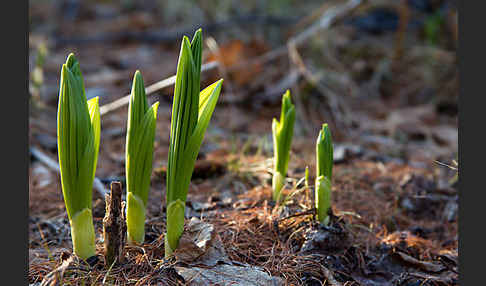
x=324 y=162
x=78 y=141
x=138 y=157
x=306 y=177
x=282 y=138
x=191 y=113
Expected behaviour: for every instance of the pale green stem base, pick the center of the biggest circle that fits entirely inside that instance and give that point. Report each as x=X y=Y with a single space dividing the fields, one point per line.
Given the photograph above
x=175 y=226
x=168 y=250
x=82 y=234
x=135 y=219
x=323 y=199
x=278 y=181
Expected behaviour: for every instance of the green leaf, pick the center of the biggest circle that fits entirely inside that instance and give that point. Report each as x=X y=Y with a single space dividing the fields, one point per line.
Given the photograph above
x=324 y=153
x=306 y=177
x=95 y=118
x=283 y=132
x=191 y=114
x=282 y=139
x=78 y=140
x=78 y=131
x=190 y=153
x=196 y=49
x=184 y=116
x=324 y=164
x=141 y=127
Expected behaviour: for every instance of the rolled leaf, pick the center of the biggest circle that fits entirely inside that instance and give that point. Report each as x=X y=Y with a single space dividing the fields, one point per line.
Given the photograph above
x=324 y=164
x=139 y=157
x=78 y=140
x=306 y=177
x=282 y=139
x=191 y=113
x=324 y=153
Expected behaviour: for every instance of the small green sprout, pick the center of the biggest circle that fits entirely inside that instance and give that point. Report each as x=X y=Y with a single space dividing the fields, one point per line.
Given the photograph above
x=324 y=163
x=138 y=157
x=191 y=113
x=306 y=177
x=282 y=138
x=78 y=141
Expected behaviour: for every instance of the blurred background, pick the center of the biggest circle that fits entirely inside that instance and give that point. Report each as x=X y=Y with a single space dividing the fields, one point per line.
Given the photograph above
x=383 y=74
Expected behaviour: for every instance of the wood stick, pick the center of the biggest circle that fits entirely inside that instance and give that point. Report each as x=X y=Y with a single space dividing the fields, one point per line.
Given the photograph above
x=54 y=277
x=114 y=227
x=114 y=105
x=327 y=19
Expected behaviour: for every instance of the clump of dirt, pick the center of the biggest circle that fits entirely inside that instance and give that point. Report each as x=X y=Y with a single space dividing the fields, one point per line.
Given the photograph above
x=327 y=240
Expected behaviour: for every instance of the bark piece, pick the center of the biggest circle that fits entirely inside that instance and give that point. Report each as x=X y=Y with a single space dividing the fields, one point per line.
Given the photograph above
x=114 y=227
x=200 y=244
x=223 y=274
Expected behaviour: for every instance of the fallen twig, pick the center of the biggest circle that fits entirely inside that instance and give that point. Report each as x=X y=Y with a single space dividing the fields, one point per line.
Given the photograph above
x=325 y=21
x=109 y=107
x=52 y=164
x=54 y=277
x=446 y=165
x=307 y=212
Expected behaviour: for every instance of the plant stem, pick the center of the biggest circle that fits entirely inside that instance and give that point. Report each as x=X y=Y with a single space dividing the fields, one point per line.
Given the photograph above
x=323 y=199
x=82 y=234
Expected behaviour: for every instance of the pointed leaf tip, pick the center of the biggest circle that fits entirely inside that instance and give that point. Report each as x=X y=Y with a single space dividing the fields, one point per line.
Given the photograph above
x=95 y=100
x=71 y=59
x=137 y=76
x=155 y=107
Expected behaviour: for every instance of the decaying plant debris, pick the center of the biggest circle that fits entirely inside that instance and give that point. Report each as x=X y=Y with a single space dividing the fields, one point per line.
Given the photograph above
x=392 y=109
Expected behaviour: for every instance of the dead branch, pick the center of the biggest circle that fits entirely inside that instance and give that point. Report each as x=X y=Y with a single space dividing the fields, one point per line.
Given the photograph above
x=114 y=105
x=338 y=110
x=327 y=19
x=54 y=278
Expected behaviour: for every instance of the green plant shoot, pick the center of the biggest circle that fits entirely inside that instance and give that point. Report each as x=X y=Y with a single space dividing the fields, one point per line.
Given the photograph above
x=138 y=157
x=306 y=176
x=324 y=163
x=282 y=138
x=78 y=141
x=191 y=113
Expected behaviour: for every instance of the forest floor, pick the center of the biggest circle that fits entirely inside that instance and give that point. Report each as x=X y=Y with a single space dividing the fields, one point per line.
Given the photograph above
x=389 y=96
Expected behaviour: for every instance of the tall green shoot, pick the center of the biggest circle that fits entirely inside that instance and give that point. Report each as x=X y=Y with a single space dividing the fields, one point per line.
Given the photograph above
x=282 y=138
x=191 y=113
x=78 y=140
x=324 y=164
x=138 y=157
